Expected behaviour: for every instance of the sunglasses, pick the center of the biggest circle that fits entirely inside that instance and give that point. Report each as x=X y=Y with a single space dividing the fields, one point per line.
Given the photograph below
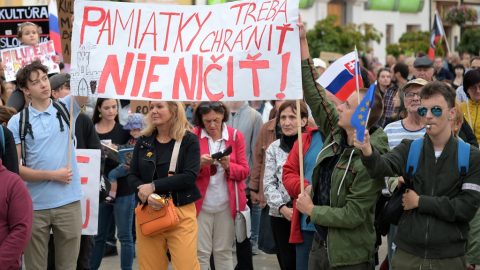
x=436 y=111
x=207 y=106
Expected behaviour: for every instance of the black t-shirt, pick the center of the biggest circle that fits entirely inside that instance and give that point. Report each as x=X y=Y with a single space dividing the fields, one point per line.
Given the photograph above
x=87 y=137
x=9 y=157
x=119 y=136
x=164 y=154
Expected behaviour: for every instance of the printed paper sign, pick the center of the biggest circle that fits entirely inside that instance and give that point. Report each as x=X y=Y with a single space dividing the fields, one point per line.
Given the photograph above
x=15 y=58
x=89 y=167
x=244 y=50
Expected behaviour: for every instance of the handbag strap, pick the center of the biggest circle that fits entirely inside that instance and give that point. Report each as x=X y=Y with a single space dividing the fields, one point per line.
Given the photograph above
x=236 y=197
x=173 y=160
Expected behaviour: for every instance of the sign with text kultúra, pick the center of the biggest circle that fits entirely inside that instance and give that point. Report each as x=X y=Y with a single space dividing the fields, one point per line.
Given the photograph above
x=16 y=58
x=245 y=50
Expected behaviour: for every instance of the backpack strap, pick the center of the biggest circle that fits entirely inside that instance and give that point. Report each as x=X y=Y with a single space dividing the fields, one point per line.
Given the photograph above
x=25 y=128
x=413 y=157
x=62 y=113
x=463 y=157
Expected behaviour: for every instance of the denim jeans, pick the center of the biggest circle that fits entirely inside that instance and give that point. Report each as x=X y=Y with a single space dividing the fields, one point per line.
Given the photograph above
x=303 y=250
x=122 y=209
x=255 y=212
x=118 y=172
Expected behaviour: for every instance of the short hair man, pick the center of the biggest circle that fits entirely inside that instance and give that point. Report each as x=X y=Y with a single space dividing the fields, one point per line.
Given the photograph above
x=344 y=196
x=86 y=138
x=423 y=68
x=433 y=231
x=52 y=176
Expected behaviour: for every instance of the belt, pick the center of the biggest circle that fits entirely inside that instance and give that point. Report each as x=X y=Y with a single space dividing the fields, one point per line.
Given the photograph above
x=319 y=240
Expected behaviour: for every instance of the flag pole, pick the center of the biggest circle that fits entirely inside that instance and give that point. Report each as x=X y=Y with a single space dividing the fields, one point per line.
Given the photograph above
x=357 y=69
x=300 y=147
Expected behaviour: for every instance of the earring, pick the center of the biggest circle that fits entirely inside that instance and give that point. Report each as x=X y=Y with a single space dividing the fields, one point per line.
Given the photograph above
x=99 y=115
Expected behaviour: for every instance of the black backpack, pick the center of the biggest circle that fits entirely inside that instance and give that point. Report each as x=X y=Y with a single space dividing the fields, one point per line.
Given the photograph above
x=26 y=127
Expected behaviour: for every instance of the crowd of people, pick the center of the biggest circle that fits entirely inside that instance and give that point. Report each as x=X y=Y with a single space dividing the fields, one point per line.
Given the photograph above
x=330 y=225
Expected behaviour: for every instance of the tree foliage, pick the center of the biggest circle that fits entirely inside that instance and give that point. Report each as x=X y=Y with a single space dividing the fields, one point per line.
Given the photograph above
x=411 y=43
x=469 y=41
x=326 y=36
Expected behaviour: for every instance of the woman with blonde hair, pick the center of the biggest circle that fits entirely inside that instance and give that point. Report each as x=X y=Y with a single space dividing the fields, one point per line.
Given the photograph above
x=149 y=174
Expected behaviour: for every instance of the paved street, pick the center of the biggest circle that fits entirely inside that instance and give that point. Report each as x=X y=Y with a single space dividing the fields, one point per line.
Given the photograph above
x=260 y=262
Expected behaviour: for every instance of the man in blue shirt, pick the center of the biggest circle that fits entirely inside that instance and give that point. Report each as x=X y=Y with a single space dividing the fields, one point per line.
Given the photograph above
x=53 y=181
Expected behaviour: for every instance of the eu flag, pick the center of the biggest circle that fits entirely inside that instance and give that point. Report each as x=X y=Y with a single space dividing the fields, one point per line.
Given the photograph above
x=360 y=116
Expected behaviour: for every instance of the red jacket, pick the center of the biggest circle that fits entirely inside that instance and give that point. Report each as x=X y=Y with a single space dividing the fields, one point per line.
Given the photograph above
x=238 y=170
x=291 y=182
x=16 y=213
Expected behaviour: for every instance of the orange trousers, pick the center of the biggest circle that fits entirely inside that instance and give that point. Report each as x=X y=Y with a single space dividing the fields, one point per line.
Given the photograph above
x=180 y=241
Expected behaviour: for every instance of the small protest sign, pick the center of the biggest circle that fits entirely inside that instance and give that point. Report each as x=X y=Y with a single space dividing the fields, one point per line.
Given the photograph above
x=15 y=58
x=89 y=167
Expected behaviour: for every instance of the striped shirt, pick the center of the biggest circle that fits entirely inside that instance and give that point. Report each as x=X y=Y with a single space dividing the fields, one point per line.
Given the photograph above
x=396 y=132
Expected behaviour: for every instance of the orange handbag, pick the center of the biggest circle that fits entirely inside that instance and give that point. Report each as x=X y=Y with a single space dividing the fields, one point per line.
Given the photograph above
x=152 y=221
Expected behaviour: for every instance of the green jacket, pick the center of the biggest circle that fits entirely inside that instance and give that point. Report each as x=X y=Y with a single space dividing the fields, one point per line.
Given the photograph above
x=438 y=228
x=353 y=194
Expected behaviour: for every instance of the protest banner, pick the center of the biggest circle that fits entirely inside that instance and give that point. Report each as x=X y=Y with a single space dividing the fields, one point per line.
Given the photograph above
x=89 y=167
x=235 y=51
x=16 y=58
x=65 y=18
x=11 y=17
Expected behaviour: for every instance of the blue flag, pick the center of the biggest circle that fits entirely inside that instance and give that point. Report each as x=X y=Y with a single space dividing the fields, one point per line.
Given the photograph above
x=359 y=117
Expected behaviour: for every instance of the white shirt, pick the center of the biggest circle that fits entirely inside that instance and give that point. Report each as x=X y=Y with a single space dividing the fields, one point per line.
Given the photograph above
x=216 y=197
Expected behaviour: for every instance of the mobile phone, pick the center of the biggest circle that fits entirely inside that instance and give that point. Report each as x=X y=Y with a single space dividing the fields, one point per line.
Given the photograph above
x=223 y=153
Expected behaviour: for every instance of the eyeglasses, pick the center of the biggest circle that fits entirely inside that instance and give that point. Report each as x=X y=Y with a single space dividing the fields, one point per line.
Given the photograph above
x=411 y=95
x=436 y=111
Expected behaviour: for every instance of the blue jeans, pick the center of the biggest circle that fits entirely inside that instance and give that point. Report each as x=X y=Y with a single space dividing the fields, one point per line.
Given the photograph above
x=255 y=213
x=122 y=209
x=119 y=171
x=303 y=250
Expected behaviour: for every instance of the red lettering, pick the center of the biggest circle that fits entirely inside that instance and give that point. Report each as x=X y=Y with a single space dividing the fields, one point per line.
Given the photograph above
x=253 y=35
x=218 y=39
x=240 y=7
x=283 y=31
x=181 y=75
x=154 y=33
x=283 y=81
x=280 y=10
x=200 y=25
x=151 y=77
x=130 y=20
x=200 y=78
x=87 y=22
x=139 y=71
x=83 y=180
x=87 y=214
x=83 y=159
x=210 y=95
x=138 y=27
x=201 y=45
x=228 y=35
x=169 y=14
x=250 y=10
x=111 y=69
x=230 y=76
x=273 y=8
x=255 y=64
x=108 y=29
x=259 y=18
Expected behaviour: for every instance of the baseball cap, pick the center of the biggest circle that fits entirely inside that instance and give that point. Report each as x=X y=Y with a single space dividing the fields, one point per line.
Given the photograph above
x=58 y=80
x=423 y=61
x=417 y=81
x=317 y=62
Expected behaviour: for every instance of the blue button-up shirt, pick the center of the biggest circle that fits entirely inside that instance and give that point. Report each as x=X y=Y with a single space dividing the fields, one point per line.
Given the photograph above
x=48 y=151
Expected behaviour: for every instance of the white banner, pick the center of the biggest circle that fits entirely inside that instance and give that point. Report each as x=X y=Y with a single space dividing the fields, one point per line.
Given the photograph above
x=244 y=50
x=89 y=167
x=15 y=58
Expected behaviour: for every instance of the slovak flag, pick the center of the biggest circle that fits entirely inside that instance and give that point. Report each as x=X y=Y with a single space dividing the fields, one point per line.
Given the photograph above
x=53 y=25
x=339 y=78
x=435 y=36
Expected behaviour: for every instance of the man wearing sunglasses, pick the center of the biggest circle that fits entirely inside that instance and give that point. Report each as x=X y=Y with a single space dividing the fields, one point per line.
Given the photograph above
x=433 y=229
